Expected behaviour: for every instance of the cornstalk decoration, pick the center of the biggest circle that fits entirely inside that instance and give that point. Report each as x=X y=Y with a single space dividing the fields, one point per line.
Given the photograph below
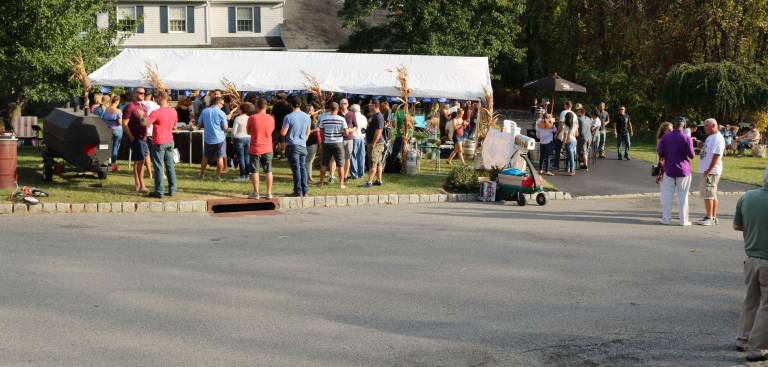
x=401 y=74
x=81 y=75
x=231 y=90
x=487 y=118
x=313 y=87
x=152 y=78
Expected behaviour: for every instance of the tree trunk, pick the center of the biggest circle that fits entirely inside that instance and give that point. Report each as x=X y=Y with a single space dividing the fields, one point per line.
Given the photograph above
x=14 y=111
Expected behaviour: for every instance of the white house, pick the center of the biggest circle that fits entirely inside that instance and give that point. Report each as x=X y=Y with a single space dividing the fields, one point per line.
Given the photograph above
x=239 y=24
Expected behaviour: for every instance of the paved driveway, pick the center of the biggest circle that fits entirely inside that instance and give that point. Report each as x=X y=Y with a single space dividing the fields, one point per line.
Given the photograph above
x=574 y=283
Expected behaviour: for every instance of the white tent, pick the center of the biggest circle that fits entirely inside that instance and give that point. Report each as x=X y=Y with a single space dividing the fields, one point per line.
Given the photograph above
x=428 y=76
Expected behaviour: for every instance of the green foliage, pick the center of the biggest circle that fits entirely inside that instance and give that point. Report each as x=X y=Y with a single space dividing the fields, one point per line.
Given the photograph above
x=724 y=90
x=435 y=27
x=41 y=37
x=462 y=179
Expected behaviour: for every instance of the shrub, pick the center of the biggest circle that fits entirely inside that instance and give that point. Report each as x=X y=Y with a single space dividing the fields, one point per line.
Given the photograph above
x=462 y=179
x=760 y=119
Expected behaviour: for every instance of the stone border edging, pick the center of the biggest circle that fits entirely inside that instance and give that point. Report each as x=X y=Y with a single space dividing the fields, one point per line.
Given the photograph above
x=289 y=203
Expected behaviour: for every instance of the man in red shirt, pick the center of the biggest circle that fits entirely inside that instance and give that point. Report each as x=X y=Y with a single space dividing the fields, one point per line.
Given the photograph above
x=260 y=127
x=135 y=129
x=163 y=120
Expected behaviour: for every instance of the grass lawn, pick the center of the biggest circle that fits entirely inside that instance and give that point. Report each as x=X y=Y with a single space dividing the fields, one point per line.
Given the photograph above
x=739 y=169
x=119 y=185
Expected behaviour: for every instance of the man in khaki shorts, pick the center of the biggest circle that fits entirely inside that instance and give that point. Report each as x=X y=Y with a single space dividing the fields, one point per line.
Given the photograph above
x=750 y=217
x=711 y=167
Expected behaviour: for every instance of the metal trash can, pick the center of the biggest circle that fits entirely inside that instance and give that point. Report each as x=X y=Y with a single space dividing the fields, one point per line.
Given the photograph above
x=85 y=142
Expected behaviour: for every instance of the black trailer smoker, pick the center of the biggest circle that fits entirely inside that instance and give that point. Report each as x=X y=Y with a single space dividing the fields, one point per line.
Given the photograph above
x=84 y=142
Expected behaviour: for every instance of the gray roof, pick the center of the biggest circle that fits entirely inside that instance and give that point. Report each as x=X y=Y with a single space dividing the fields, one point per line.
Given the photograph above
x=312 y=25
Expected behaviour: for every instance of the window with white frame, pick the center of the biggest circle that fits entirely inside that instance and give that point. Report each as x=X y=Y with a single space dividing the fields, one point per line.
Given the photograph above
x=245 y=19
x=126 y=18
x=177 y=18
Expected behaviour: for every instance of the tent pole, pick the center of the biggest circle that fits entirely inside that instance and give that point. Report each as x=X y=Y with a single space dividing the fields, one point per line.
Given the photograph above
x=552 y=103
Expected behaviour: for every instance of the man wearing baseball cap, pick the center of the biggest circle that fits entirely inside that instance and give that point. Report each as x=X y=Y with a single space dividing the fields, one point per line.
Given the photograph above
x=585 y=136
x=675 y=151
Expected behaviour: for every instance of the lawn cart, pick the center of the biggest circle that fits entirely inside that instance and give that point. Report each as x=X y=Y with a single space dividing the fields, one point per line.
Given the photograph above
x=85 y=142
x=514 y=183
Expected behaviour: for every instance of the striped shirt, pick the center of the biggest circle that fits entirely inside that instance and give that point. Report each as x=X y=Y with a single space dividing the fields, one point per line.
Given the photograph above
x=333 y=128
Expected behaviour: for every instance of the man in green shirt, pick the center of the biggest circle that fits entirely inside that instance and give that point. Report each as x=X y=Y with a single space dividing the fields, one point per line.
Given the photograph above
x=752 y=218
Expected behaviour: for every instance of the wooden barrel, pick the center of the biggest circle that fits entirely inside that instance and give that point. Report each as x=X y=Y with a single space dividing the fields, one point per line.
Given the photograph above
x=8 y=158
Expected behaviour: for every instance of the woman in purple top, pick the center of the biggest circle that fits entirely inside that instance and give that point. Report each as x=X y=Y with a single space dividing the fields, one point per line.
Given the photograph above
x=675 y=149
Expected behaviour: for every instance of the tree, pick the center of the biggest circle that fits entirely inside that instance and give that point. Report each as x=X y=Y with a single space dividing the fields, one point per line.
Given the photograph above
x=724 y=90
x=435 y=27
x=41 y=37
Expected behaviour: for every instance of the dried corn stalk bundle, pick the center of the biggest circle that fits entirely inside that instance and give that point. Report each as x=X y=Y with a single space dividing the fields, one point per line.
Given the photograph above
x=313 y=87
x=79 y=74
x=231 y=90
x=151 y=77
x=487 y=118
x=401 y=75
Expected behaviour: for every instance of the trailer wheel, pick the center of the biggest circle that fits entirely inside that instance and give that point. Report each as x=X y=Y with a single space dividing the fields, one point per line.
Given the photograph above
x=521 y=199
x=541 y=199
x=102 y=174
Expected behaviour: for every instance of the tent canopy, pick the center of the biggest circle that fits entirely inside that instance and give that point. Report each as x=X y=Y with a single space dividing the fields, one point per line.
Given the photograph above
x=261 y=71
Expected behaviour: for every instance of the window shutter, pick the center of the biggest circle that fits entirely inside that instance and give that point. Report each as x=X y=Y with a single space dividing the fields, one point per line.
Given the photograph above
x=232 y=22
x=257 y=20
x=163 y=19
x=140 y=18
x=190 y=19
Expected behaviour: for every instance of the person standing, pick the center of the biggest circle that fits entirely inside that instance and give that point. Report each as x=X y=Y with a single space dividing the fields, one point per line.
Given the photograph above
x=570 y=138
x=163 y=120
x=374 y=136
x=296 y=127
x=750 y=218
x=605 y=119
x=242 y=140
x=622 y=130
x=135 y=129
x=711 y=167
x=280 y=109
x=675 y=150
x=261 y=127
x=214 y=122
x=349 y=144
x=545 y=131
x=357 y=167
x=333 y=128
x=113 y=116
x=585 y=137
x=313 y=141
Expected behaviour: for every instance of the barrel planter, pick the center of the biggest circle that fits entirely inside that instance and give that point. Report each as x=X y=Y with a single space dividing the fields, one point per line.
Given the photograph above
x=8 y=157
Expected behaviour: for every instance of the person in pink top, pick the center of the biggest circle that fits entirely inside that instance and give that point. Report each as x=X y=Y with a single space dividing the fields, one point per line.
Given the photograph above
x=163 y=120
x=260 y=127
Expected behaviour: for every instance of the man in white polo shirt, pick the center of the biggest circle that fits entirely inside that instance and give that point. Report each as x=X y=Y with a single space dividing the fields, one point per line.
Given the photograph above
x=711 y=167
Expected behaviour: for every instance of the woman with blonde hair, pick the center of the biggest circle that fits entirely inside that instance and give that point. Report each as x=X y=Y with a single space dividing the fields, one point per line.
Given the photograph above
x=105 y=102
x=664 y=128
x=458 y=124
x=113 y=116
x=545 y=132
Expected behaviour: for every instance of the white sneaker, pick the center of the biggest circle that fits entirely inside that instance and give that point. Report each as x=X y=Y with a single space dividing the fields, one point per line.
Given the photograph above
x=254 y=196
x=706 y=221
x=269 y=196
x=664 y=222
x=686 y=224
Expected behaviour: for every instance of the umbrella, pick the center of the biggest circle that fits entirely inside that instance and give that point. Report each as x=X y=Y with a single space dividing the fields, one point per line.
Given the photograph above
x=555 y=84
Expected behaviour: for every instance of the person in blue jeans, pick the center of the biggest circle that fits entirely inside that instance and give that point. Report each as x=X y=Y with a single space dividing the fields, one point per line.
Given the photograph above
x=112 y=116
x=295 y=129
x=241 y=140
x=357 y=166
x=571 y=130
x=163 y=120
x=622 y=131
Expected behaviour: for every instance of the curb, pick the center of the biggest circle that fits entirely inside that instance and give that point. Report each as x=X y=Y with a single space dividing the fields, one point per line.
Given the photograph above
x=291 y=203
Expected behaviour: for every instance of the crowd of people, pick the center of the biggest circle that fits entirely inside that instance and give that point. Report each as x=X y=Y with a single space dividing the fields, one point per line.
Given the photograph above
x=352 y=141
x=579 y=135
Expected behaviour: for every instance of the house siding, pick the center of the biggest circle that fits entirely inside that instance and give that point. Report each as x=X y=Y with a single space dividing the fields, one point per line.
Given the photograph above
x=271 y=20
x=153 y=37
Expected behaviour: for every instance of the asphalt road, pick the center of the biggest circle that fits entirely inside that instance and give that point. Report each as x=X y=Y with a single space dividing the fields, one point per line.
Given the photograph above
x=574 y=283
x=614 y=177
